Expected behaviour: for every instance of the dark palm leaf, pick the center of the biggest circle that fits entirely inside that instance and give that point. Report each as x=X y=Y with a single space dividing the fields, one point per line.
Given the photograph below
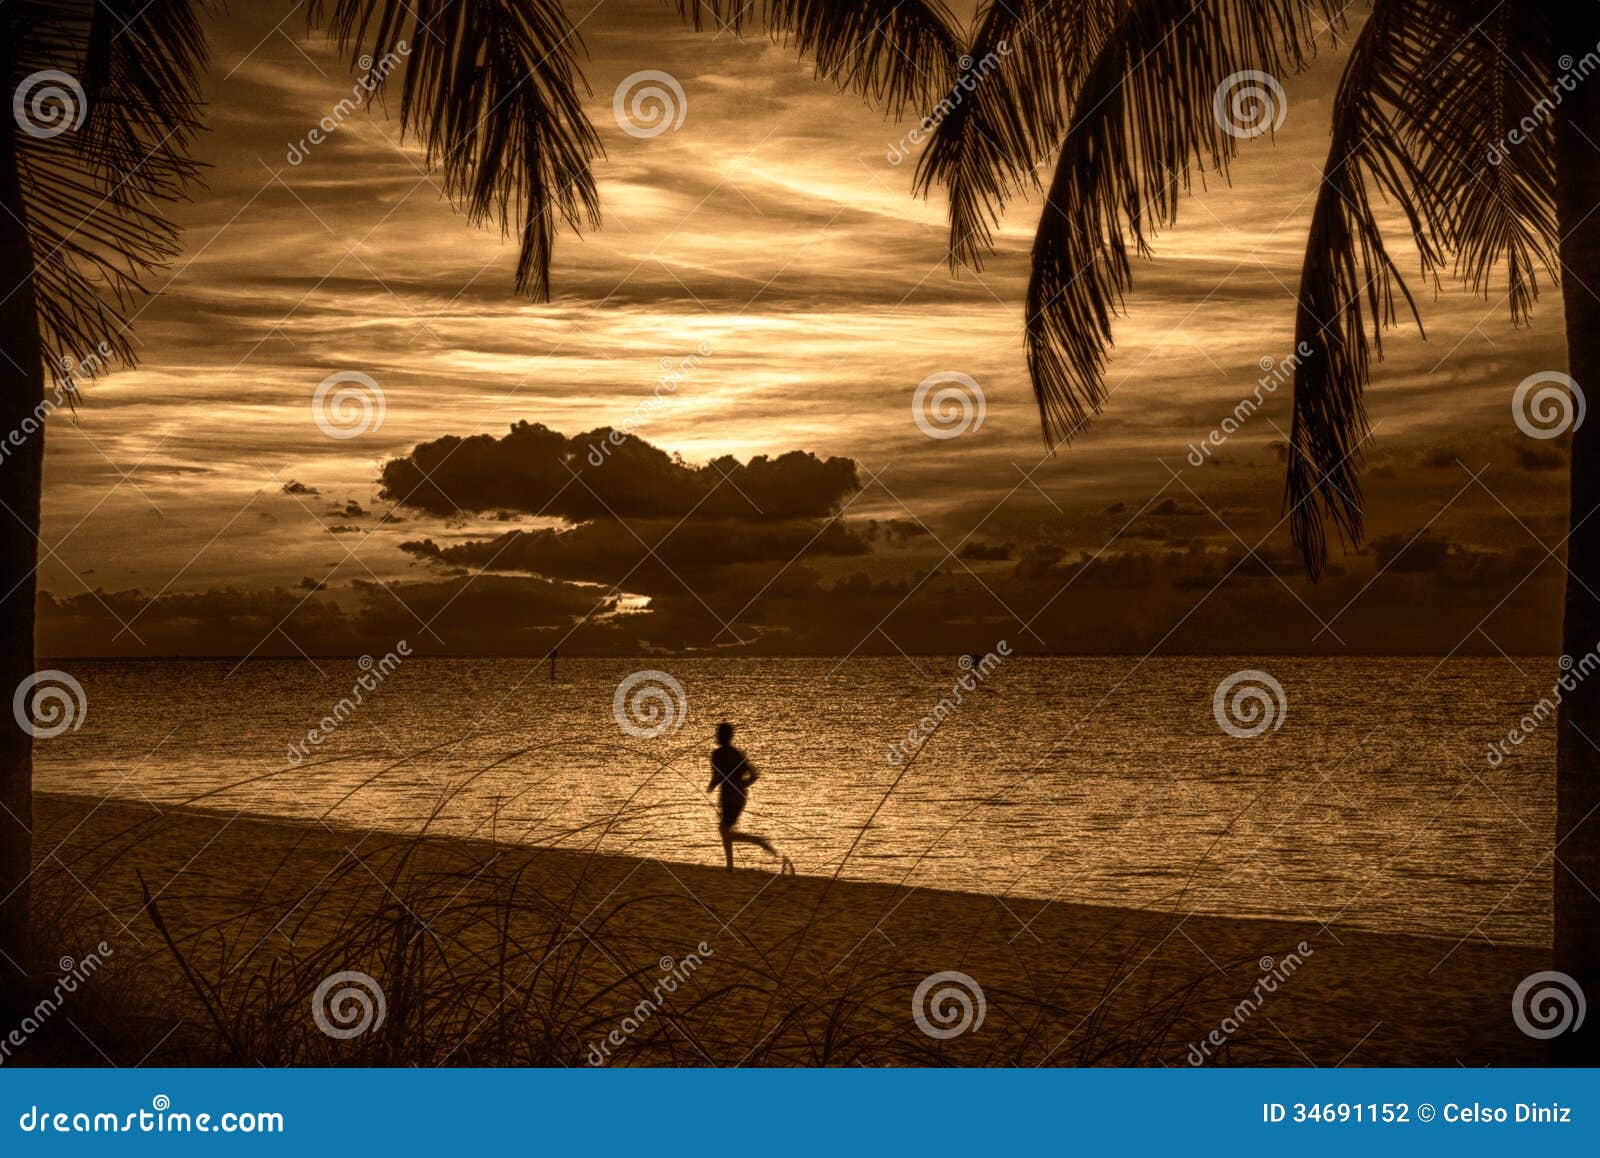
x=1348 y=280
x=995 y=126
x=897 y=53
x=1498 y=195
x=1430 y=89
x=492 y=90
x=92 y=191
x=1142 y=121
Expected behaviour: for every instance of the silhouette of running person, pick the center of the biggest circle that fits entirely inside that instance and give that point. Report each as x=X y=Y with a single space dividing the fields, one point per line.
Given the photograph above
x=733 y=775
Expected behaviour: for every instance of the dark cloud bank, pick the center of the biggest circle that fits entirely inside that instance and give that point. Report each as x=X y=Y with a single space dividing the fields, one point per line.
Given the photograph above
x=638 y=551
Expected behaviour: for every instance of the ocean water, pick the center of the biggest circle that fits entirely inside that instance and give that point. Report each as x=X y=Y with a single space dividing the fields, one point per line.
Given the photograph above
x=1365 y=799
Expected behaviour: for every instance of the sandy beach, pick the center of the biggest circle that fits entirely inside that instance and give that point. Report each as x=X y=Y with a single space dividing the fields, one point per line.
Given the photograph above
x=488 y=954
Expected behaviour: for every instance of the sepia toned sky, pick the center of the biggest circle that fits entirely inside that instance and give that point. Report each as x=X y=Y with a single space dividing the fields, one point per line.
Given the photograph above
x=770 y=251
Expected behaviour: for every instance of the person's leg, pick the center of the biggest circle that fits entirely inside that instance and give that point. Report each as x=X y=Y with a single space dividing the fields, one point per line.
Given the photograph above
x=752 y=838
x=727 y=845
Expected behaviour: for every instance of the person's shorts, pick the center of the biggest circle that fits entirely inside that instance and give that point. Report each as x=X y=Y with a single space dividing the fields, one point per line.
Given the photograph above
x=732 y=806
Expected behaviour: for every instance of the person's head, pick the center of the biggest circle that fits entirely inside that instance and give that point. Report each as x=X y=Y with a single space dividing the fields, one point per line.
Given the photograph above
x=724 y=733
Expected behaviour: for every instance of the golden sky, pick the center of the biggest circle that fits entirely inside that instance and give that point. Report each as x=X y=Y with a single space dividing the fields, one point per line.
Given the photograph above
x=771 y=246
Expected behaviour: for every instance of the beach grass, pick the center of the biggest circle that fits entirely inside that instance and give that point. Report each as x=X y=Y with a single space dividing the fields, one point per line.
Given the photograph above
x=242 y=940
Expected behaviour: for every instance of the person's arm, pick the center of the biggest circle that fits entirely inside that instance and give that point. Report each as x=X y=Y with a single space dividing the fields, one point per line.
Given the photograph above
x=712 y=786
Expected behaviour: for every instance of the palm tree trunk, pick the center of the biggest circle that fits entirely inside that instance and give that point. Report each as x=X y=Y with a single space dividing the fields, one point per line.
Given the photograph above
x=21 y=481
x=1577 y=859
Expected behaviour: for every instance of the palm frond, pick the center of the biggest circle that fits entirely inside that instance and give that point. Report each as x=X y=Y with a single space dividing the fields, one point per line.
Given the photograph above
x=141 y=73
x=1143 y=119
x=896 y=53
x=1348 y=280
x=1429 y=91
x=493 y=91
x=122 y=76
x=1495 y=180
x=995 y=126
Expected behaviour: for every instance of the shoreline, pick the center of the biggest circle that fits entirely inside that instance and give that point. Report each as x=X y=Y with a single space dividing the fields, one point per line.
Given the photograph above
x=244 y=895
